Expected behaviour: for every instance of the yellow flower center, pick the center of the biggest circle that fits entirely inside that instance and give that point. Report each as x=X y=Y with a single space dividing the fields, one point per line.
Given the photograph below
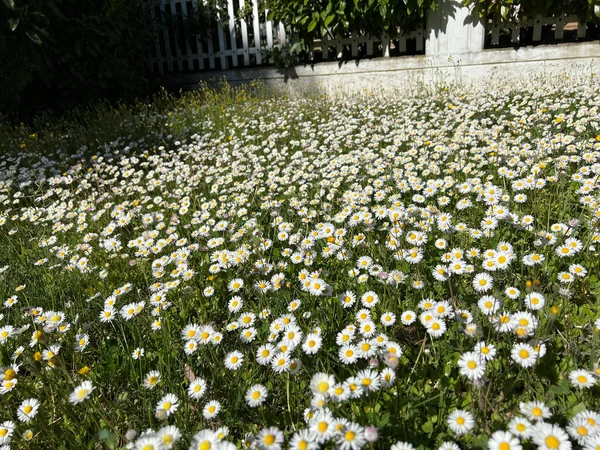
x=552 y=442
x=82 y=393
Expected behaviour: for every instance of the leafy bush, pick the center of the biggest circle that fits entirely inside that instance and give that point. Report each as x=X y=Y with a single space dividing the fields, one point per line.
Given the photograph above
x=512 y=10
x=67 y=51
x=319 y=18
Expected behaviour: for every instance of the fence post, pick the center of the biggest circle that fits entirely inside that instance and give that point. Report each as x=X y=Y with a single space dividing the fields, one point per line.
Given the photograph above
x=453 y=29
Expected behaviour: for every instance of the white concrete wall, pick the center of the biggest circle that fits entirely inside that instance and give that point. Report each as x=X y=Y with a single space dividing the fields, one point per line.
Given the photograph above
x=454 y=53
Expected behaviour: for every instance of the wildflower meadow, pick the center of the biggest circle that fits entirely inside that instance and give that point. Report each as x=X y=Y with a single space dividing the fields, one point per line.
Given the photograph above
x=245 y=269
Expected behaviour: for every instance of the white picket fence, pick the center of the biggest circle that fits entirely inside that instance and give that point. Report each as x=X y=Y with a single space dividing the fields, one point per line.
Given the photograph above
x=237 y=42
x=555 y=26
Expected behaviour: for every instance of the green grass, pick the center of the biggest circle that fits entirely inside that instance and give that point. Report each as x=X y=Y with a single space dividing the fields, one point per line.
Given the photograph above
x=251 y=173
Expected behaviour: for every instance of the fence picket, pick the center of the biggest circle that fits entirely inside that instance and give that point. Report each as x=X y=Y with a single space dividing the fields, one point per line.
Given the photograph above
x=537 y=28
x=495 y=33
x=354 y=44
x=188 y=47
x=420 y=40
x=232 y=35
x=560 y=27
x=221 y=35
x=159 y=57
x=282 y=37
x=325 y=48
x=256 y=28
x=402 y=43
x=385 y=45
x=515 y=34
x=244 y=28
x=178 y=57
x=166 y=40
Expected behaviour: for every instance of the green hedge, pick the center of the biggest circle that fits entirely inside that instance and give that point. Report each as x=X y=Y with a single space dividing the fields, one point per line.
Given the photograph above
x=312 y=19
x=62 y=52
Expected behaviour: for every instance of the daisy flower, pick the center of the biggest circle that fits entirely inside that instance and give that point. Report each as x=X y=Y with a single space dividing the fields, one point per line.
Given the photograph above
x=7 y=428
x=168 y=436
x=402 y=446
x=197 y=388
x=167 y=405
x=449 y=445
x=460 y=422
x=304 y=440
x=482 y=282
x=535 y=410
x=550 y=437
x=234 y=360
x=471 y=366
x=28 y=410
x=256 y=395
x=524 y=355
x=520 y=427
x=269 y=439
x=351 y=437
x=503 y=440
x=211 y=409
x=408 y=317
x=582 y=379
x=152 y=379
x=487 y=352
x=322 y=383
x=81 y=392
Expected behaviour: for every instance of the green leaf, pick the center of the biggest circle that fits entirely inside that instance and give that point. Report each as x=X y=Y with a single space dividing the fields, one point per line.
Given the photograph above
x=13 y=23
x=312 y=25
x=34 y=37
x=10 y=4
x=427 y=427
x=108 y=437
x=329 y=19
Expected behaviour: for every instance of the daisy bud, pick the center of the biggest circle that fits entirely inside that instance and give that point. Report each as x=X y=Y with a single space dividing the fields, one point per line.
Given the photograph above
x=130 y=435
x=371 y=434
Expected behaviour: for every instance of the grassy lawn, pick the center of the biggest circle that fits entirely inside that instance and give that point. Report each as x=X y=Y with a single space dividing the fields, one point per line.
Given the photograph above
x=242 y=269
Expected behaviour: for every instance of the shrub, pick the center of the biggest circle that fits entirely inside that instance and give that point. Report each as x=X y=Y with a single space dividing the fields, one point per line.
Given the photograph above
x=69 y=51
x=314 y=19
